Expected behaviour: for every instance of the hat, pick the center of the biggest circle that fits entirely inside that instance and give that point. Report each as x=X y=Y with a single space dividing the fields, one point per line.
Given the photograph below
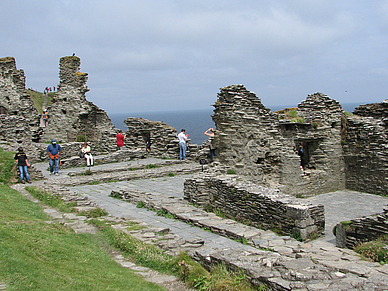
x=53 y=141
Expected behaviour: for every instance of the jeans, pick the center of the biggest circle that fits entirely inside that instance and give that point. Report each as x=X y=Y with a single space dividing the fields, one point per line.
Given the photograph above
x=212 y=154
x=182 y=150
x=52 y=163
x=24 y=172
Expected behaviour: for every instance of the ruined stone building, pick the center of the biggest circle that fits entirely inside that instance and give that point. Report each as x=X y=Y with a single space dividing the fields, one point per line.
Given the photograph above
x=164 y=142
x=19 y=119
x=71 y=116
x=339 y=151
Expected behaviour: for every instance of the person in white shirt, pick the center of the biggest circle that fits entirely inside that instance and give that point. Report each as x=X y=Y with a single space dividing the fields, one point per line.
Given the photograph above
x=87 y=154
x=182 y=144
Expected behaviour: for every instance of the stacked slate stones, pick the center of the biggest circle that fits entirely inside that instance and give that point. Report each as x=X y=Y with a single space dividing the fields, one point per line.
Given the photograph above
x=19 y=119
x=164 y=142
x=365 y=146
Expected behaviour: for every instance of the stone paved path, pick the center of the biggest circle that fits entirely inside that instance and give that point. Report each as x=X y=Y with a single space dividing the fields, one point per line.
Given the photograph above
x=335 y=269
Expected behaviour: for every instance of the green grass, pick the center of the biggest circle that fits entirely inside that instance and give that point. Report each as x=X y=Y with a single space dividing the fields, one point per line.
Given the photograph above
x=7 y=169
x=35 y=255
x=376 y=250
x=38 y=99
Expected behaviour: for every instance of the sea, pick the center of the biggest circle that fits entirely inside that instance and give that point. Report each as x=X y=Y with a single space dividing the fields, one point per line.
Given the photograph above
x=196 y=122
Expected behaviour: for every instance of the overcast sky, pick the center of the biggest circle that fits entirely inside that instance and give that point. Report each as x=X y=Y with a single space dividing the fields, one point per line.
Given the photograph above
x=149 y=55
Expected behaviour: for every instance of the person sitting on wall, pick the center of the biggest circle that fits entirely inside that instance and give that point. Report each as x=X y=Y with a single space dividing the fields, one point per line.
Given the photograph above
x=210 y=134
x=21 y=159
x=85 y=152
x=120 y=139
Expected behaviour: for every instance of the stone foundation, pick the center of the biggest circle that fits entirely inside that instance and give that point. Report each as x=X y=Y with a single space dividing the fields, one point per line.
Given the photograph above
x=255 y=205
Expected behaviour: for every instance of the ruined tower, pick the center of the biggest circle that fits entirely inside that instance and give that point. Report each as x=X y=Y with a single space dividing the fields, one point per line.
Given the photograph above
x=19 y=119
x=71 y=116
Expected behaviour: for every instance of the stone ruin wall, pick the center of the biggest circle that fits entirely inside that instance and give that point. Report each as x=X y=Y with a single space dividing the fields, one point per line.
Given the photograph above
x=72 y=116
x=19 y=119
x=252 y=140
x=365 y=146
x=164 y=142
x=255 y=205
x=350 y=233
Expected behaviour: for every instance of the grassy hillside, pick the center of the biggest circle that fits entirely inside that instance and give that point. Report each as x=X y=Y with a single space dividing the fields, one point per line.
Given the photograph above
x=38 y=99
x=35 y=255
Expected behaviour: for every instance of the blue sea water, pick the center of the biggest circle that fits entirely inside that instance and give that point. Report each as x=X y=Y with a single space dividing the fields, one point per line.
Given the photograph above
x=194 y=121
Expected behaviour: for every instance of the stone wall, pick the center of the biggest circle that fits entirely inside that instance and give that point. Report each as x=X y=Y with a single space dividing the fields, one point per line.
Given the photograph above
x=366 y=149
x=260 y=145
x=18 y=117
x=257 y=206
x=351 y=233
x=164 y=141
x=72 y=116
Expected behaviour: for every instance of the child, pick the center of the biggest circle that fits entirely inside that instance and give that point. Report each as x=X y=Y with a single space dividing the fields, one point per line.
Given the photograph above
x=21 y=159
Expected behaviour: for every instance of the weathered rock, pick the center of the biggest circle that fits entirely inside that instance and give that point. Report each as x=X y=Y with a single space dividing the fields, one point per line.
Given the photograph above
x=71 y=116
x=252 y=139
x=18 y=117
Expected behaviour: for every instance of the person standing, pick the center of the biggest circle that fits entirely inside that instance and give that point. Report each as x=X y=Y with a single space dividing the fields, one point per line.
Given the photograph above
x=87 y=154
x=182 y=144
x=210 y=134
x=45 y=117
x=53 y=151
x=21 y=159
x=148 y=144
x=120 y=139
x=301 y=153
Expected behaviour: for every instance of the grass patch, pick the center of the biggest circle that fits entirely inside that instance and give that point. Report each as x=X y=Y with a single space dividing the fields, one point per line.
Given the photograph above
x=376 y=250
x=94 y=182
x=7 y=167
x=165 y=213
x=140 y=204
x=52 y=200
x=35 y=255
x=171 y=174
x=231 y=172
x=152 y=166
x=38 y=99
x=55 y=201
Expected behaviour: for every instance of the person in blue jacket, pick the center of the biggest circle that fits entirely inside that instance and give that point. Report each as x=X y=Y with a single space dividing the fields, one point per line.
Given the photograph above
x=53 y=151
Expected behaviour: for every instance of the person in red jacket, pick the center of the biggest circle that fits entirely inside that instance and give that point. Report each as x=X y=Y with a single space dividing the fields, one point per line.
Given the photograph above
x=120 y=139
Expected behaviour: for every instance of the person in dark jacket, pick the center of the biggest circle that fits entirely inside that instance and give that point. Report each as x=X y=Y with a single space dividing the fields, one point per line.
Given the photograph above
x=53 y=151
x=21 y=159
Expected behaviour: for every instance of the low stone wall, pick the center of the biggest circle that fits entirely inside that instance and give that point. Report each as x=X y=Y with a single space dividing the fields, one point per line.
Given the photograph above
x=350 y=233
x=255 y=205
